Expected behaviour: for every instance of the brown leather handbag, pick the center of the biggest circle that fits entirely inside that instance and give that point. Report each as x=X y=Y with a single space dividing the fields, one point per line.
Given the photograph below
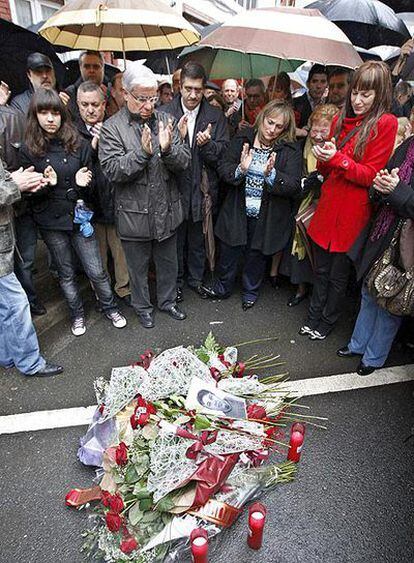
x=391 y=279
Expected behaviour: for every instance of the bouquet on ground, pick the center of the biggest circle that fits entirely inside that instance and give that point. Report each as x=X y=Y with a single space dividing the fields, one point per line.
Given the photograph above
x=183 y=441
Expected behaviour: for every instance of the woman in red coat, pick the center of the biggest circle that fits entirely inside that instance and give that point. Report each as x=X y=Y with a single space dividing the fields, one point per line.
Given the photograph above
x=362 y=141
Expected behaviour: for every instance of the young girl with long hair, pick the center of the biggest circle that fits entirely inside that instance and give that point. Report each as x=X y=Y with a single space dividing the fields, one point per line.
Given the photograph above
x=362 y=140
x=53 y=147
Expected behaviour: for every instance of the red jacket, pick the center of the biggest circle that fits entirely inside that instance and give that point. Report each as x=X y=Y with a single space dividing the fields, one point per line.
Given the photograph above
x=344 y=207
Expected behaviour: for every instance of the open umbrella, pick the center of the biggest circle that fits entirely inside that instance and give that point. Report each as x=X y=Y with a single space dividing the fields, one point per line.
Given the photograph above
x=16 y=43
x=118 y=25
x=258 y=42
x=367 y=23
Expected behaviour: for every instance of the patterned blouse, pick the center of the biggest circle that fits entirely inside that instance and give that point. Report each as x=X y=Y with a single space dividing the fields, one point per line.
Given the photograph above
x=255 y=180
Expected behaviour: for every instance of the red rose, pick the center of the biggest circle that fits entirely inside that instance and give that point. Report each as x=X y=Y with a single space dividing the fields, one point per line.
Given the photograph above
x=256 y=411
x=142 y=413
x=128 y=544
x=105 y=497
x=121 y=454
x=116 y=503
x=113 y=521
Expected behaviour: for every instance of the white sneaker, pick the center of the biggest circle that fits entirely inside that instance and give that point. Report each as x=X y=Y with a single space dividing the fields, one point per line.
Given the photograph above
x=316 y=335
x=305 y=329
x=78 y=326
x=118 y=320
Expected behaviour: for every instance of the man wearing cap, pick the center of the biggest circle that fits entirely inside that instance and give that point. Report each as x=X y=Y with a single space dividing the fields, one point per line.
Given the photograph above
x=41 y=74
x=141 y=152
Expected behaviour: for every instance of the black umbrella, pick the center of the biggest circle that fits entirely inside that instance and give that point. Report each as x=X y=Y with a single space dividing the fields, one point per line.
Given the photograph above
x=16 y=43
x=367 y=23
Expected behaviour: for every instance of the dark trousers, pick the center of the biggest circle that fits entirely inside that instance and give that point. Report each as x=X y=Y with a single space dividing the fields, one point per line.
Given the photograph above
x=191 y=252
x=164 y=254
x=332 y=270
x=61 y=245
x=25 y=253
x=253 y=269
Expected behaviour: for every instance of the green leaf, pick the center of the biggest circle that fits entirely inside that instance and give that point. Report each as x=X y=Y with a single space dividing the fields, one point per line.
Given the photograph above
x=201 y=422
x=165 y=504
x=145 y=504
x=143 y=493
x=135 y=515
x=211 y=343
x=131 y=475
x=203 y=356
x=150 y=516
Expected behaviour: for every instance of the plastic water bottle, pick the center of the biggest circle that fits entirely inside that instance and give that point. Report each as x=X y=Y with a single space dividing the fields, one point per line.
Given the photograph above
x=82 y=216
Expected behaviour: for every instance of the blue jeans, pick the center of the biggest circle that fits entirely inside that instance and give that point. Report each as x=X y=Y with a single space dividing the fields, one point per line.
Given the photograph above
x=19 y=346
x=61 y=245
x=374 y=332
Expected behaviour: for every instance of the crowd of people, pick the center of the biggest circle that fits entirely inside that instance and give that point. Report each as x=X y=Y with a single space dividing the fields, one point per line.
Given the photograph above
x=315 y=187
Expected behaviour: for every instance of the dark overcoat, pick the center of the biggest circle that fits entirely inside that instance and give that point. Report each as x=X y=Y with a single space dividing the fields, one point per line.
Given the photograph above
x=279 y=201
x=206 y=156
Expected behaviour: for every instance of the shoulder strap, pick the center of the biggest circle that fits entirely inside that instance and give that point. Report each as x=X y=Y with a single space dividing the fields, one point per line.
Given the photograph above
x=347 y=137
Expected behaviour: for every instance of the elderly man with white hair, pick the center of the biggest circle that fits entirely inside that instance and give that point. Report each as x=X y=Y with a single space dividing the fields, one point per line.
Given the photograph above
x=141 y=151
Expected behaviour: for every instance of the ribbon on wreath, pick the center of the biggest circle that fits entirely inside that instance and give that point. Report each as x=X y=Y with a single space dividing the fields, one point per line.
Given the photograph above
x=207 y=437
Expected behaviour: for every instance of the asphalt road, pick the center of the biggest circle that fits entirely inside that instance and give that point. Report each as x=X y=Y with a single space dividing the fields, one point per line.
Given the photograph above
x=352 y=501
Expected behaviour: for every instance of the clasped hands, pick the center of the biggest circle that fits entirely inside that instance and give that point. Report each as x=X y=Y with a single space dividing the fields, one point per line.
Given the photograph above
x=385 y=182
x=325 y=152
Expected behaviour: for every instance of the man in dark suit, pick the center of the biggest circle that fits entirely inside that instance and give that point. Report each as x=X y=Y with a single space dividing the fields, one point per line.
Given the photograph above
x=317 y=83
x=204 y=129
x=91 y=67
x=91 y=104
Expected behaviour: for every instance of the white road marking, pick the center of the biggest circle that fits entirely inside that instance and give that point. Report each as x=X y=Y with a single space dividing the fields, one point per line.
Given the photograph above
x=81 y=416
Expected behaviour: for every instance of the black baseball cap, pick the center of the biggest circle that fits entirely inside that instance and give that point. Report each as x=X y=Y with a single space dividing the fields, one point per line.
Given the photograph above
x=38 y=60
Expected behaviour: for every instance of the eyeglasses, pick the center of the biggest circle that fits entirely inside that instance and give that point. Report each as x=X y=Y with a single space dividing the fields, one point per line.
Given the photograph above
x=144 y=99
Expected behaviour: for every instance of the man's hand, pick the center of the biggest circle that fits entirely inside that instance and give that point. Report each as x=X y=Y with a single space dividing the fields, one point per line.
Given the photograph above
x=50 y=175
x=96 y=135
x=405 y=52
x=28 y=180
x=204 y=137
x=146 y=139
x=64 y=98
x=385 y=182
x=232 y=109
x=183 y=127
x=325 y=152
x=243 y=124
x=165 y=134
x=4 y=93
x=83 y=177
x=246 y=158
x=270 y=164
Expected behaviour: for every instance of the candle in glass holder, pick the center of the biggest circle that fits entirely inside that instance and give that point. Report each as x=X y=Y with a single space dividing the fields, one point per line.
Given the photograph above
x=199 y=545
x=257 y=517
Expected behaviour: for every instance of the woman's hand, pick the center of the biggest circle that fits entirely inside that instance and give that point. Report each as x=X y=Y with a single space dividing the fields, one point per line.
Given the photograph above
x=385 y=182
x=246 y=158
x=4 y=93
x=50 y=175
x=325 y=152
x=83 y=177
x=270 y=164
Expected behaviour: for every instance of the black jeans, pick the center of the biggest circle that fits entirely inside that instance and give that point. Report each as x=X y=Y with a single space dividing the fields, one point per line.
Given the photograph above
x=253 y=269
x=60 y=245
x=332 y=270
x=164 y=254
x=25 y=253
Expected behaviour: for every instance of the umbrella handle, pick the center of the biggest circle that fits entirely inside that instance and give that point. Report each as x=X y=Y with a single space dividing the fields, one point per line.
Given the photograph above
x=99 y=9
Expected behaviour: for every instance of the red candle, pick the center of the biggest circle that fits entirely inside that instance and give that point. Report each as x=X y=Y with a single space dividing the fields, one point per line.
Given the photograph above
x=257 y=517
x=295 y=446
x=199 y=545
x=298 y=427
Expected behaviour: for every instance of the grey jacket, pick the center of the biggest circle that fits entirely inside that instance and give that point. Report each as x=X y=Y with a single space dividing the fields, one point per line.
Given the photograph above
x=9 y=194
x=147 y=199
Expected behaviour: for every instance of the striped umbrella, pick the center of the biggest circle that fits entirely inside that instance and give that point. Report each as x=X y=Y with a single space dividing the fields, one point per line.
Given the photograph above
x=290 y=35
x=118 y=25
